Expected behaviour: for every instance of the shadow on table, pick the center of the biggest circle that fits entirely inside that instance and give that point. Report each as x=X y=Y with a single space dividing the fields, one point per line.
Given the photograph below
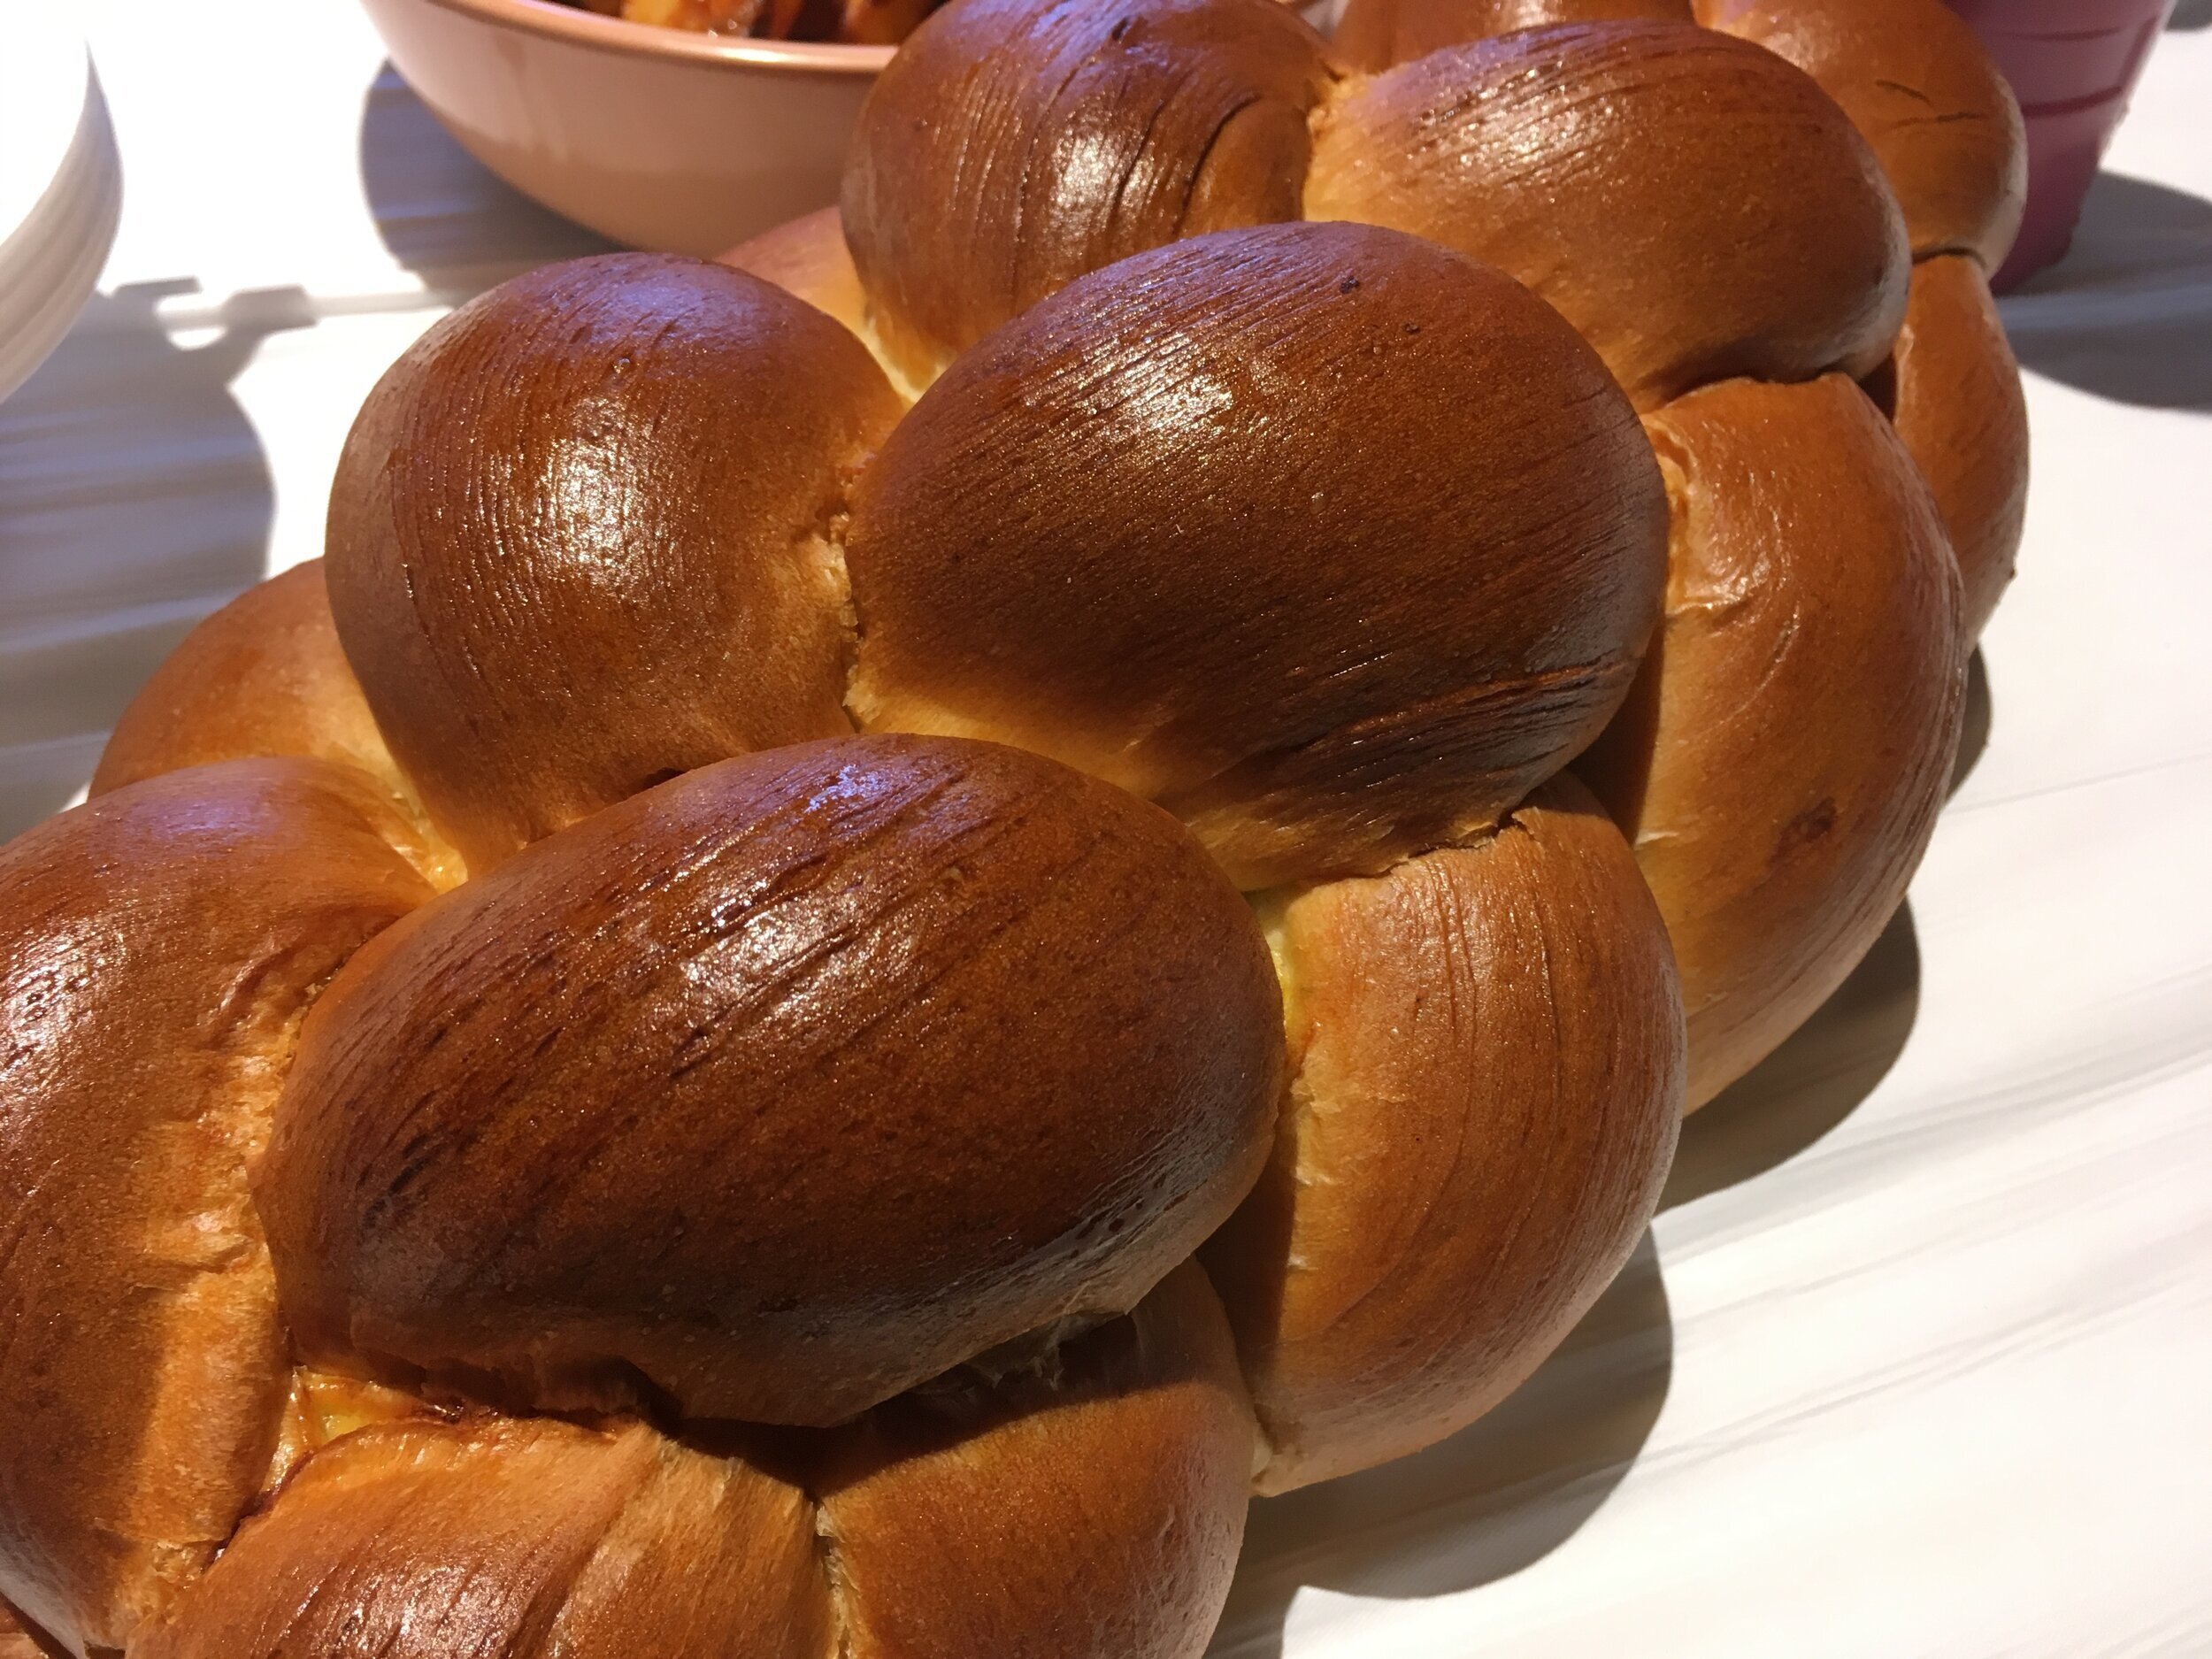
x=1496 y=1497
x=134 y=498
x=1808 y=1086
x=441 y=212
x=2127 y=313
x=2191 y=14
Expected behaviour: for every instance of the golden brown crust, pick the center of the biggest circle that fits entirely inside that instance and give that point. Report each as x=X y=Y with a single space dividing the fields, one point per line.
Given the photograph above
x=1916 y=83
x=1695 y=205
x=1780 y=767
x=807 y=257
x=786 y=1085
x=157 y=948
x=1373 y=35
x=1489 y=1053
x=1915 y=78
x=1961 y=412
x=1094 y=1512
x=1088 y=1507
x=512 y=1540
x=1012 y=147
x=581 y=538
x=265 y=677
x=1334 y=541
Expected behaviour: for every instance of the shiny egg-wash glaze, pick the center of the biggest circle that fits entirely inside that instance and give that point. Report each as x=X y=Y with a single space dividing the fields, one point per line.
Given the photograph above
x=1490 y=1111
x=762 y=1095
x=836 y=974
x=355 y=1106
x=161 y=949
x=1096 y=1510
x=1418 y=550
x=1709 y=193
x=653 y=474
x=1360 y=623
x=1940 y=119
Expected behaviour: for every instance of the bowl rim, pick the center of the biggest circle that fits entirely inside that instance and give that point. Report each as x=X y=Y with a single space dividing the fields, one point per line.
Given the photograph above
x=574 y=25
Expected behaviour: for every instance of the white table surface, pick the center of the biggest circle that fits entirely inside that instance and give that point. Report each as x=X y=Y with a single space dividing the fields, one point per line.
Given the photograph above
x=1918 y=1357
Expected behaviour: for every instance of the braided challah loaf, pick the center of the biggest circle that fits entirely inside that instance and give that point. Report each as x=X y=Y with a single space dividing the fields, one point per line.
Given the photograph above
x=770 y=1022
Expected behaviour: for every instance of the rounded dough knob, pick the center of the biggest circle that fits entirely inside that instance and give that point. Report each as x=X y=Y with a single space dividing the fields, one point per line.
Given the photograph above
x=1488 y=1050
x=1100 y=1496
x=1334 y=541
x=778 y=1088
x=1697 y=207
x=1012 y=146
x=265 y=676
x=157 y=948
x=582 y=537
x=1915 y=78
x=1780 y=767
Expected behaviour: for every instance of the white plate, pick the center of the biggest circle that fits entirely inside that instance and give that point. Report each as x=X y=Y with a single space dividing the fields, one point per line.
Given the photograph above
x=61 y=187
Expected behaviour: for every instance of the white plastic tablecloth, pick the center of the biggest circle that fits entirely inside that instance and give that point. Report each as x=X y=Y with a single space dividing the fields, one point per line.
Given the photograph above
x=1917 y=1359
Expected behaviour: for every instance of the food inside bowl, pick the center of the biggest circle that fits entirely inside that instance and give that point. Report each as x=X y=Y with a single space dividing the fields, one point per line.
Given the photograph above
x=858 y=22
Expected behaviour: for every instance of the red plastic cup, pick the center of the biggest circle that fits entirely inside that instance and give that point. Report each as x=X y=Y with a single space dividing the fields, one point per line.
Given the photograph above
x=2072 y=65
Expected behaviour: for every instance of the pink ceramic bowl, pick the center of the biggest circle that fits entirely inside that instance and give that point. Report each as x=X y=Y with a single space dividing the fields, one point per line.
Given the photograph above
x=2072 y=65
x=652 y=136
